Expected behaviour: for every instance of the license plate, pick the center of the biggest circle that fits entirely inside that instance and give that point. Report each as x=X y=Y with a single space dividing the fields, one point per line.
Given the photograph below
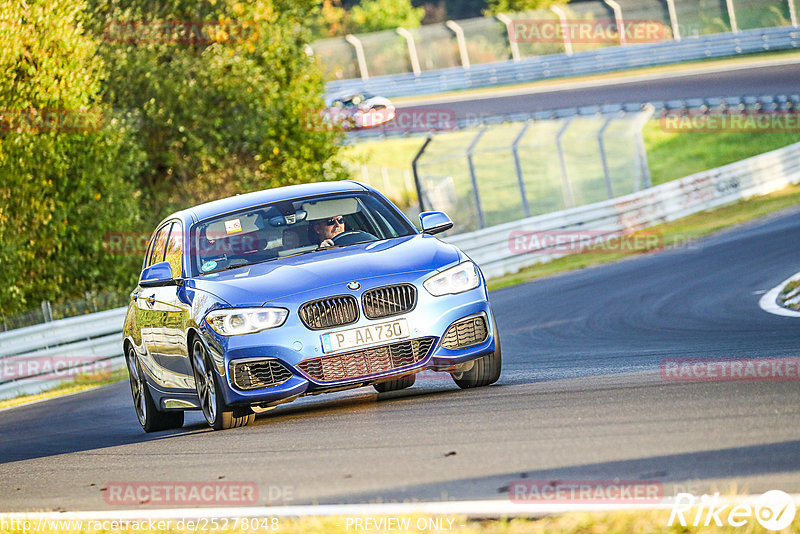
x=365 y=335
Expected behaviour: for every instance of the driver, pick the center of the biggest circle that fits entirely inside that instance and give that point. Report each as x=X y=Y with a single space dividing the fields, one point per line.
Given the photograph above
x=327 y=229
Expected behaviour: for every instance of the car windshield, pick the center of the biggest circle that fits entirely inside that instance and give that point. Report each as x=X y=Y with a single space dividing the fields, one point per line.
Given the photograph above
x=287 y=228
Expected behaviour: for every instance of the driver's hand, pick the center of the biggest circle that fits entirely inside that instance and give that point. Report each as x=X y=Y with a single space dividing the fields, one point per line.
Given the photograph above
x=327 y=243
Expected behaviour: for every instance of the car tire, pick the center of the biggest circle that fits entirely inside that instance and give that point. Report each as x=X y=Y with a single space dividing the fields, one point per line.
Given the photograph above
x=394 y=385
x=151 y=419
x=218 y=415
x=485 y=370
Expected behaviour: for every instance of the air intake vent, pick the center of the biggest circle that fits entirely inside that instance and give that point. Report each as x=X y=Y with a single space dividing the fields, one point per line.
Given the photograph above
x=367 y=362
x=389 y=300
x=329 y=312
x=258 y=374
x=465 y=332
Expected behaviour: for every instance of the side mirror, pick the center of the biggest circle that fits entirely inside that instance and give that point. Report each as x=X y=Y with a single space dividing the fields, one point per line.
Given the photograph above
x=158 y=274
x=433 y=222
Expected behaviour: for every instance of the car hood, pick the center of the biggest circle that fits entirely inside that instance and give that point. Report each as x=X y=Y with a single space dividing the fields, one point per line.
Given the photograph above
x=255 y=285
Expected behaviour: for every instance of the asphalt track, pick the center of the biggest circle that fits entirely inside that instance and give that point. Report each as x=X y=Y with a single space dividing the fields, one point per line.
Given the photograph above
x=580 y=398
x=750 y=81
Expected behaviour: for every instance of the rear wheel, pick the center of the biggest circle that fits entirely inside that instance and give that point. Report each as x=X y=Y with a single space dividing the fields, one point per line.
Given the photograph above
x=393 y=385
x=150 y=418
x=217 y=414
x=485 y=370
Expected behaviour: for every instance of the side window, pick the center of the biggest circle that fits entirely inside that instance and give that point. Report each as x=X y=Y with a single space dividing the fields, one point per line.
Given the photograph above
x=175 y=250
x=160 y=245
x=149 y=252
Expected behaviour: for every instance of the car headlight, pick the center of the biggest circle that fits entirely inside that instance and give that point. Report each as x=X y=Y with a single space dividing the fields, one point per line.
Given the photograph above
x=237 y=321
x=458 y=279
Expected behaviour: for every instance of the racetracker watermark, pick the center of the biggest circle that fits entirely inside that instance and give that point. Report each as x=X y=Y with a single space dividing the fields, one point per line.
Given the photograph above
x=50 y=120
x=586 y=491
x=592 y=242
x=181 y=493
x=757 y=121
x=135 y=243
x=200 y=524
x=182 y=32
x=587 y=31
x=774 y=510
x=53 y=367
x=383 y=120
x=702 y=370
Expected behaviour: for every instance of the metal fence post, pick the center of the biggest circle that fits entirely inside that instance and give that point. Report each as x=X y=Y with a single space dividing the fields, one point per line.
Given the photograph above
x=362 y=59
x=512 y=38
x=673 y=20
x=518 y=166
x=566 y=188
x=417 y=184
x=603 y=158
x=618 y=19
x=47 y=311
x=563 y=19
x=732 y=16
x=412 y=50
x=792 y=13
x=641 y=151
x=461 y=40
x=477 y=195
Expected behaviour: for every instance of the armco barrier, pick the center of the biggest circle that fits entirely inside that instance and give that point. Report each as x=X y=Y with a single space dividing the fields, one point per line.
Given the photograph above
x=490 y=248
x=581 y=63
x=98 y=336
x=89 y=338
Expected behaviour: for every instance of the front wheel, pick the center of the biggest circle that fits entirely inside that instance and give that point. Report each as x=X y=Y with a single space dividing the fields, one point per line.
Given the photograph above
x=217 y=414
x=394 y=385
x=485 y=370
x=150 y=418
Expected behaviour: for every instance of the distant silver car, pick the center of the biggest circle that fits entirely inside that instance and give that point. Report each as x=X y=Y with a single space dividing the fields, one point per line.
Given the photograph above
x=360 y=110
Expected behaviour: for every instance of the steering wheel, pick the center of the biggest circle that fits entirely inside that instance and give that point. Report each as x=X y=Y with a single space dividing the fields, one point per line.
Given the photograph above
x=351 y=237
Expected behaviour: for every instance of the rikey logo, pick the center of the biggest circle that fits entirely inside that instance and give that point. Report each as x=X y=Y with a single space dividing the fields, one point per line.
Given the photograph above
x=354 y=286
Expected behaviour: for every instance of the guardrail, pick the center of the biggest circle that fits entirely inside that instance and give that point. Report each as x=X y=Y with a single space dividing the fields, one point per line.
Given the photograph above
x=746 y=103
x=97 y=337
x=60 y=348
x=497 y=254
x=578 y=64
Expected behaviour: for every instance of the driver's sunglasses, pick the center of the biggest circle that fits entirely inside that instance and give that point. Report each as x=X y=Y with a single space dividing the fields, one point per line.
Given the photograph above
x=335 y=220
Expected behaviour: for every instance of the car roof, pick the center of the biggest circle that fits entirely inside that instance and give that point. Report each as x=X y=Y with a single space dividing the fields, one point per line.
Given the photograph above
x=266 y=196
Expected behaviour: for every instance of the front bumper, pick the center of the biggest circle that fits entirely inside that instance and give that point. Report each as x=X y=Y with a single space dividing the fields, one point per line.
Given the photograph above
x=293 y=343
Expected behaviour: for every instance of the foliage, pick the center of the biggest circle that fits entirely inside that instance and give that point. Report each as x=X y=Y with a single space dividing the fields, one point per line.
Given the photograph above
x=330 y=19
x=376 y=15
x=65 y=159
x=235 y=112
x=494 y=7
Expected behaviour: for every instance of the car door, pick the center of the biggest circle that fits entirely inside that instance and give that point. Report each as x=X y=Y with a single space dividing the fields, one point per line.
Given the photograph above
x=168 y=315
x=145 y=302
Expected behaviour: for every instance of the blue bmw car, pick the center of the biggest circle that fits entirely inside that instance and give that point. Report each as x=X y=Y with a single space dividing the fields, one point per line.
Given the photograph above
x=255 y=300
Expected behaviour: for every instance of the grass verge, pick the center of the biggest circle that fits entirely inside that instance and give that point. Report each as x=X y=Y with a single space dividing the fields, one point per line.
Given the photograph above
x=675 y=233
x=790 y=295
x=81 y=383
x=640 y=522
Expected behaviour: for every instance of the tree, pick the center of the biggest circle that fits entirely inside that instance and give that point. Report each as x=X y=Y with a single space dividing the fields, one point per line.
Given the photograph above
x=65 y=159
x=227 y=96
x=493 y=7
x=376 y=15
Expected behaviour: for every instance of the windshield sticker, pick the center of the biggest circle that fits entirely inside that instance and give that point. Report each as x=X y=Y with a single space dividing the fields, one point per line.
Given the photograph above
x=233 y=226
x=209 y=265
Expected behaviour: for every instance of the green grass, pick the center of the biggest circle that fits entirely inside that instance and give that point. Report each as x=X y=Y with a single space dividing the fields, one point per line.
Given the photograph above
x=674 y=155
x=674 y=233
